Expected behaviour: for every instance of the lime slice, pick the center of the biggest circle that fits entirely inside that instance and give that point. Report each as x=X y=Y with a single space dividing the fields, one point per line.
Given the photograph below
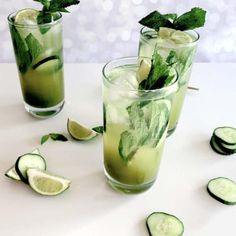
x=165 y=32
x=80 y=132
x=47 y=184
x=143 y=70
x=180 y=37
x=26 y=16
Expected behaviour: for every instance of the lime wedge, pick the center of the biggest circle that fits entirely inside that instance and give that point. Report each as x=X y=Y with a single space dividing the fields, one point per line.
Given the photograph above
x=80 y=132
x=143 y=70
x=180 y=37
x=26 y=16
x=165 y=32
x=47 y=184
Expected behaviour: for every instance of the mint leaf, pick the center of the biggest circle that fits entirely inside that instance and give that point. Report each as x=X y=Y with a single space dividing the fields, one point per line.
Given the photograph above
x=127 y=146
x=44 y=18
x=57 y=5
x=191 y=20
x=195 y=18
x=155 y=20
x=23 y=56
x=148 y=122
x=53 y=136
x=58 y=137
x=157 y=113
x=50 y=7
x=159 y=73
x=44 y=139
x=98 y=129
x=35 y=48
x=172 y=58
x=60 y=5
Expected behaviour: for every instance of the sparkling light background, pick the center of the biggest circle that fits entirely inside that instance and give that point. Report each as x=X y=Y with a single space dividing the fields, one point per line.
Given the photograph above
x=99 y=30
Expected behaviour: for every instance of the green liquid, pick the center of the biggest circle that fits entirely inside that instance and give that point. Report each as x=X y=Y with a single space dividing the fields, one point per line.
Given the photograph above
x=43 y=88
x=141 y=169
x=40 y=64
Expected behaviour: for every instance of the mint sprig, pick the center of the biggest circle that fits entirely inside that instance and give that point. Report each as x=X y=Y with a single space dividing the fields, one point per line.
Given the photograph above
x=34 y=46
x=159 y=75
x=192 y=19
x=98 y=129
x=23 y=56
x=53 y=136
x=50 y=8
x=148 y=122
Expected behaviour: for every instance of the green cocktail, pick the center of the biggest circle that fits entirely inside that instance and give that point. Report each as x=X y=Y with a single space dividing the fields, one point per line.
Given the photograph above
x=184 y=45
x=39 y=57
x=174 y=38
x=37 y=41
x=135 y=125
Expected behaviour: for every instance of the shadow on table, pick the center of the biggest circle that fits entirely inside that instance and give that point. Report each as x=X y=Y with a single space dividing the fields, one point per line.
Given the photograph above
x=14 y=114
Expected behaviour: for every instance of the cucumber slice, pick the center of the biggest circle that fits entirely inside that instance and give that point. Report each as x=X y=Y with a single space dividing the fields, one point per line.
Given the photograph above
x=29 y=160
x=47 y=63
x=226 y=135
x=11 y=173
x=216 y=148
x=223 y=190
x=164 y=224
x=226 y=148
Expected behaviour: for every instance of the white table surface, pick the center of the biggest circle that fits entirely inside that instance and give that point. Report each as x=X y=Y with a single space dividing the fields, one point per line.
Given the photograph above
x=90 y=206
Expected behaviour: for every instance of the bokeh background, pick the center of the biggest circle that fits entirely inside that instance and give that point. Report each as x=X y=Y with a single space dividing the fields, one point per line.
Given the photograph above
x=100 y=30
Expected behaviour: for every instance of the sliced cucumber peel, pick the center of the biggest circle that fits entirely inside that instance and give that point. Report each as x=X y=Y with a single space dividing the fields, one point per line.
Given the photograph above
x=223 y=190
x=11 y=172
x=26 y=161
x=223 y=140
x=226 y=135
x=164 y=224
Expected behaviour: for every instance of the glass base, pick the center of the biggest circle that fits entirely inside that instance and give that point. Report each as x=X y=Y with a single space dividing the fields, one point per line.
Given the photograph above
x=44 y=112
x=128 y=188
x=170 y=131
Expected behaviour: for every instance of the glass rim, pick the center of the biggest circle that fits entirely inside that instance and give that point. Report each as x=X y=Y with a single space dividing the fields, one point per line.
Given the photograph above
x=144 y=91
x=57 y=21
x=177 y=45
